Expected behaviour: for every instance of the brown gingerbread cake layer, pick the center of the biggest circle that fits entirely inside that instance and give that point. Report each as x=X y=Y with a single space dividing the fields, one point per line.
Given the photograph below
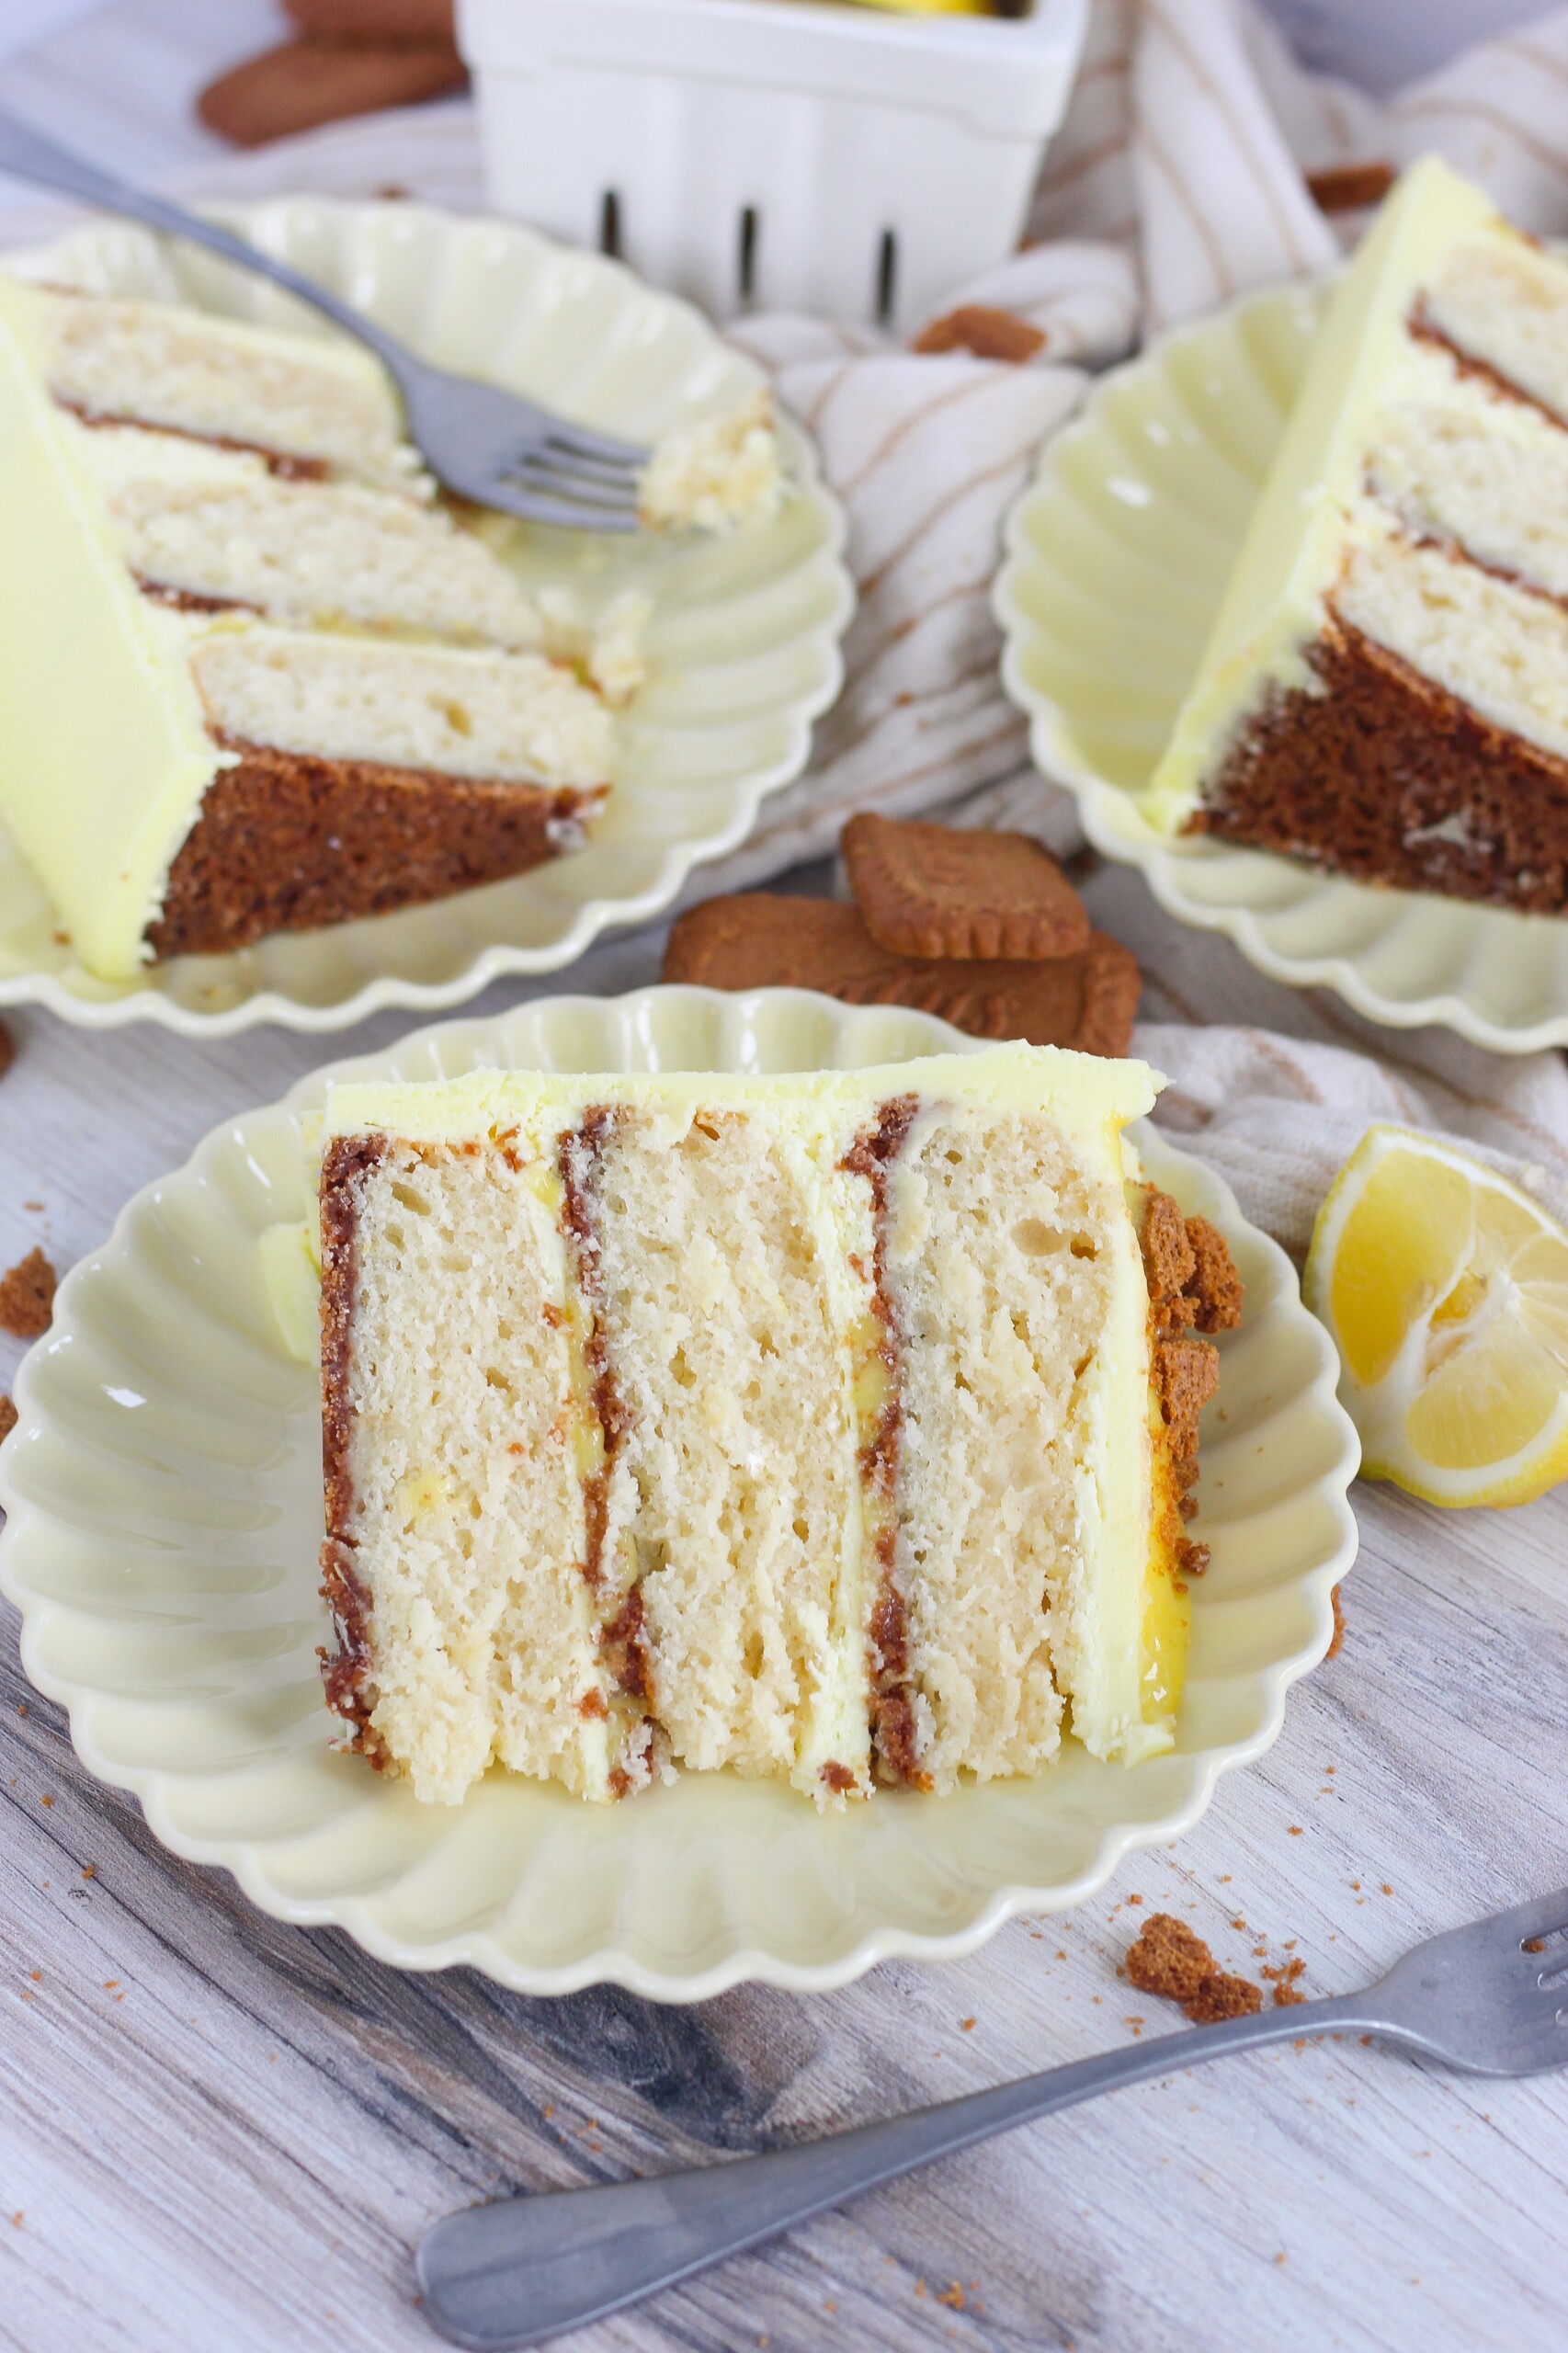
x=288 y=842
x=1387 y=778
x=1193 y=1287
x=348 y=1668
x=894 y=1737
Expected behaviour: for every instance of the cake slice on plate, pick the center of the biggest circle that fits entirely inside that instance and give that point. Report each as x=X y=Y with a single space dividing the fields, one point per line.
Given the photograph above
x=833 y=1427
x=1385 y=689
x=253 y=677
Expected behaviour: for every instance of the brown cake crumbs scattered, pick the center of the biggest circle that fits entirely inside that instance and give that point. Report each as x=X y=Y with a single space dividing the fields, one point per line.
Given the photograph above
x=1169 y=1959
x=27 y=1297
x=1223 y=1997
x=1283 y=1979
x=7 y=1050
x=933 y=891
x=1332 y=1649
x=7 y=1416
x=987 y=332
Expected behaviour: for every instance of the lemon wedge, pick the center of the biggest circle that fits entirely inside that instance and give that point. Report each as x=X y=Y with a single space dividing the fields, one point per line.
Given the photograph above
x=1446 y=1289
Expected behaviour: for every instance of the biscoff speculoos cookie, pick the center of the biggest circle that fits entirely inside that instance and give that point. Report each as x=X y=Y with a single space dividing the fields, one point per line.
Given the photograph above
x=928 y=890
x=760 y=940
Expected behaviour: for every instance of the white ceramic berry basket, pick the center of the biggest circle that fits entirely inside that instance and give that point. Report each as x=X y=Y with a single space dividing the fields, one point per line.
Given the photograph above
x=1118 y=556
x=835 y=159
x=743 y=647
x=163 y=1493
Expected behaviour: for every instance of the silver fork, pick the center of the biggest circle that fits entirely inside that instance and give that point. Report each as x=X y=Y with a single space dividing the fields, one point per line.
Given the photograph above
x=488 y=445
x=1491 y=2000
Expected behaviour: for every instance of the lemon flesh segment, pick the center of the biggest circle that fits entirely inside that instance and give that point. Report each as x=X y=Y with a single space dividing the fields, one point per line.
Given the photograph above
x=1402 y=1251
x=1447 y=1291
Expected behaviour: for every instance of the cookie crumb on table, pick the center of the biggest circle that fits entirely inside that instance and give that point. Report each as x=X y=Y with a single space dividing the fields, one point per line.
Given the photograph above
x=27 y=1297
x=1168 y=1959
x=1223 y=1997
x=7 y=1050
x=1332 y=1649
x=7 y=1416
x=1283 y=1979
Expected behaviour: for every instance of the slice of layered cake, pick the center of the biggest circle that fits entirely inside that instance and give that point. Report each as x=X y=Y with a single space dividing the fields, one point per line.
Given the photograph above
x=253 y=677
x=838 y=1427
x=1385 y=690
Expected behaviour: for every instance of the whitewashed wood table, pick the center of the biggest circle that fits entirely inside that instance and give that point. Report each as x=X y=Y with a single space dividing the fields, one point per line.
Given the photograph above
x=219 y=2131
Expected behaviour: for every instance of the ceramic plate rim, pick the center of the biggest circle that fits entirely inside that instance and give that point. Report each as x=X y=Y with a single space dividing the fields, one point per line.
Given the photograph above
x=618 y=1964
x=1114 y=826
x=500 y=961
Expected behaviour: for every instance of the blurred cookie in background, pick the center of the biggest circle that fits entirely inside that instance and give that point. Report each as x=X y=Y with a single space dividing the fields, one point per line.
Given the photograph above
x=352 y=57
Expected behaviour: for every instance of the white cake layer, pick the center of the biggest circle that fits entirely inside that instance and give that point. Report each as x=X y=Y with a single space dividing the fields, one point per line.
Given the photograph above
x=514 y=717
x=727 y=1294
x=305 y=395
x=1504 y=302
x=1489 y=476
x=487 y=1634
x=732 y=1256
x=1018 y=1275
x=1489 y=643
x=217 y=523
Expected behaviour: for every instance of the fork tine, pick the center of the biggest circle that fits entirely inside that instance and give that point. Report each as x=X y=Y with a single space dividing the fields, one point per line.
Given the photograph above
x=560 y=494
x=1543 y=1916
x=538 y=507
x=578 y=443
x=567 y=482
x=614 y=475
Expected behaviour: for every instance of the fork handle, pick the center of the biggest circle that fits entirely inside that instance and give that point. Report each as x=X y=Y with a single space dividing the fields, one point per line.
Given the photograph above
x=523 y=2269
x=29 y=154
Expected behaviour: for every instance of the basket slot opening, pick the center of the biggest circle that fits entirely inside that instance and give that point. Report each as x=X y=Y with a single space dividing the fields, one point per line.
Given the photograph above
x=610 y=224
x=886 y=278
x=745 y=264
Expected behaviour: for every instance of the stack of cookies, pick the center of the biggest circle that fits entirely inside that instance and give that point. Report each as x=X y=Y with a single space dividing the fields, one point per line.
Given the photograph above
x=982 y=929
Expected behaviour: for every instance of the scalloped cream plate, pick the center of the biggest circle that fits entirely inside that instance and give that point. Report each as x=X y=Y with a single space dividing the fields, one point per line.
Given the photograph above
x=164 y=1493
x=1118 y=556
x=744 y=648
